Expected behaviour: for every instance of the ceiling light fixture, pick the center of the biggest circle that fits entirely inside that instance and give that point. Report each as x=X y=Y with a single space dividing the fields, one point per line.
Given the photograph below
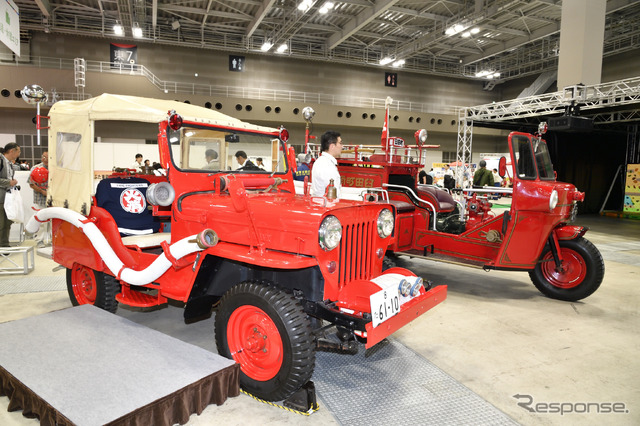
x=305 y=5
x=398 y=63
x=118 y=30
x=459 y=28
x=266 y=46
x=489 y=75
x=137 y=31
x=386 y=60
x=326 y=7
x=282 y=48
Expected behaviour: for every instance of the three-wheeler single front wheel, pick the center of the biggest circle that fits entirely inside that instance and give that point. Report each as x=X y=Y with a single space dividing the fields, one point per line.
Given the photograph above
x=266 y=331
x=580 y=274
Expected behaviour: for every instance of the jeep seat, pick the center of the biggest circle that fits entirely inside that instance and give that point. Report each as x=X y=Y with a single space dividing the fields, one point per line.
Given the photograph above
x=443 y=201
x=125 y=200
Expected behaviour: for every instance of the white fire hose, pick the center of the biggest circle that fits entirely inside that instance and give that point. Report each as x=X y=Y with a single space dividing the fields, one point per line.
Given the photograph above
x=205 y=239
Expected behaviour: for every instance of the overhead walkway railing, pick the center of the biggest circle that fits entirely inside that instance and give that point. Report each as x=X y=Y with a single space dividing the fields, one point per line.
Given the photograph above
x=228 y=91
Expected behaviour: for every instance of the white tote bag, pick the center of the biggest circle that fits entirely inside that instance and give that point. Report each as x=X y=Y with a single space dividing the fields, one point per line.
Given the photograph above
x=13 y=205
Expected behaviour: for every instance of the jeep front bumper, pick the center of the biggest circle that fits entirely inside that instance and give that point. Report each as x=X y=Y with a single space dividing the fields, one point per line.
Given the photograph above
x=361 y=323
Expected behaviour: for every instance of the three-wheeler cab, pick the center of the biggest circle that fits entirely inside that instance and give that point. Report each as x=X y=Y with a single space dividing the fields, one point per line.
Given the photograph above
x=536 y=234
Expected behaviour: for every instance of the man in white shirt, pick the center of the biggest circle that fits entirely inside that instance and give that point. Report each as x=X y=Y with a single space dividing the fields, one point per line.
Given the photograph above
x=326 y=166
x=447 y=170
x=137 y=165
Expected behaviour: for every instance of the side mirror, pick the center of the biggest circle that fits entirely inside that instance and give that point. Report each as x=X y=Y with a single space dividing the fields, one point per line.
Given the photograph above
x=502 y=166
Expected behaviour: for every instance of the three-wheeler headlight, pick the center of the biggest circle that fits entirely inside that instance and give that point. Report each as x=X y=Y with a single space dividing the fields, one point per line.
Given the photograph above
x=385 y=223
x=330 y=233
x=553 y=200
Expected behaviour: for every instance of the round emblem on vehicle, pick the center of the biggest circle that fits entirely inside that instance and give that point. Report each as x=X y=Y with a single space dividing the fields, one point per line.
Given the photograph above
x=132 y=201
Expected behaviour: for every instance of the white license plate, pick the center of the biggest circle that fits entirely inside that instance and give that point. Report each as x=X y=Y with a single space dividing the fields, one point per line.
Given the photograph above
x=384 y=305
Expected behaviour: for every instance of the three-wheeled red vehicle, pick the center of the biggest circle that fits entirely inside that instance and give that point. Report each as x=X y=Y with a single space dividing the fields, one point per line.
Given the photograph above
x=536 y=234
x=275 y=264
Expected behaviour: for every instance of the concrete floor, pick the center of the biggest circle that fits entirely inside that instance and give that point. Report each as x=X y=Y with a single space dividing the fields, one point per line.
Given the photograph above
x=495 y=333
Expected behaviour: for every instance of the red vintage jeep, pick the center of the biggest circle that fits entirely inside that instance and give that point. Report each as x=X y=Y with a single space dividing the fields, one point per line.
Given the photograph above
x=535 y=235
x=273 y=263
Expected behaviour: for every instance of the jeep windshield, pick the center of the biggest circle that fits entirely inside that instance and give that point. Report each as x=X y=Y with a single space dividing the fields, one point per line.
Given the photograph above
x=532 y=158
x=199 y=149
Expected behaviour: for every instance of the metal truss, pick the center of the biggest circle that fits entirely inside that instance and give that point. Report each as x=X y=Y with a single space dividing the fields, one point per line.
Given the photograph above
x=605 y=95
x=605 y=103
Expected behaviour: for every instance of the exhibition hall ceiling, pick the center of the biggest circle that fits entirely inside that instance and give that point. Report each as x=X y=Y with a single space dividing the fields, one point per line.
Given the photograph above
x=509 y=38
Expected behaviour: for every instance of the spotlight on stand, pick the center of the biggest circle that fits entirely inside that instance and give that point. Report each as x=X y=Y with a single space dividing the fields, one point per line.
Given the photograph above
x=308 y=113
x=34 y=94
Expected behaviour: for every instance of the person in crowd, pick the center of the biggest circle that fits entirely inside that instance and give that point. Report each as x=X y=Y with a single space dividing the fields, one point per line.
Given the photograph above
x=447 y=170
x=245 y=164
x=325 y=167
x=482 y=176
x=137 y=165
x=211 y=157
x=158 y=170
x=497 y=180
x=39 y=183
x=147 y=163
x=11 y=153
x=425 y=178
x=260 y=163
x=302 y=168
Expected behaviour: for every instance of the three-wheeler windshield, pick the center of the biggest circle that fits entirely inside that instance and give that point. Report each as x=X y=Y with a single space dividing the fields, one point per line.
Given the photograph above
x=532 y=158
x=224 y=150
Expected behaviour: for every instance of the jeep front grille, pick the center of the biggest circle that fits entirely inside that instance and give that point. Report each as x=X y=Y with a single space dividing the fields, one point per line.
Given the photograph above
x=356 y=252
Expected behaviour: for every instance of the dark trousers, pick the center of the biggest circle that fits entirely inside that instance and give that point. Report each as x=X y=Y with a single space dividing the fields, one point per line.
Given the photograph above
x=5 y=227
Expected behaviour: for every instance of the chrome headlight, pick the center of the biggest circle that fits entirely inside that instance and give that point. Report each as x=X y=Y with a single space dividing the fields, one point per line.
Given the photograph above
x=553 y=200
x=404 y=287
x=385 y=223
x=330 y=233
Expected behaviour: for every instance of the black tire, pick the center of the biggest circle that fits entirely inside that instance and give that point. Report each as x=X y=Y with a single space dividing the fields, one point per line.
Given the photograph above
x=583 y=276
x=254 y=321
x=88 y=287
x=389 y=262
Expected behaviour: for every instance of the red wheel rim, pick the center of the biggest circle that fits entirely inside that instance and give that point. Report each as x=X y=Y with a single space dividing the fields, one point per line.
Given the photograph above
x=83 y=281
x=573 y=270
x=255 y=343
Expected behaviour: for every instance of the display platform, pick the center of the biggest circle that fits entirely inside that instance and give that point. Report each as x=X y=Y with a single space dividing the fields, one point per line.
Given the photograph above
x=85 y=366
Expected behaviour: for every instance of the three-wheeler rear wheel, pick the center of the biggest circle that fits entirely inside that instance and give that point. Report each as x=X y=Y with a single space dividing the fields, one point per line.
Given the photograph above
x=266 y=331
x=581 y=273
x=89 y=287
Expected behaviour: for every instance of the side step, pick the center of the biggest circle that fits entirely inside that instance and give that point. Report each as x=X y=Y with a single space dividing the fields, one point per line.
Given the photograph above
x=139 y=299
x=439 y=257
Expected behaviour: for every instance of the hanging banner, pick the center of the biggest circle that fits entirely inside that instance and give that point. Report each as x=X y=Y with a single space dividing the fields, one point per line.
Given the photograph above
x=124 y=56
x=10 y=25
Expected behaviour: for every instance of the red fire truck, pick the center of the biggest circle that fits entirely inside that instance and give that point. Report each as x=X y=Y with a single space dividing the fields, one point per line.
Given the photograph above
x=274 y=264
x=536 y=234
